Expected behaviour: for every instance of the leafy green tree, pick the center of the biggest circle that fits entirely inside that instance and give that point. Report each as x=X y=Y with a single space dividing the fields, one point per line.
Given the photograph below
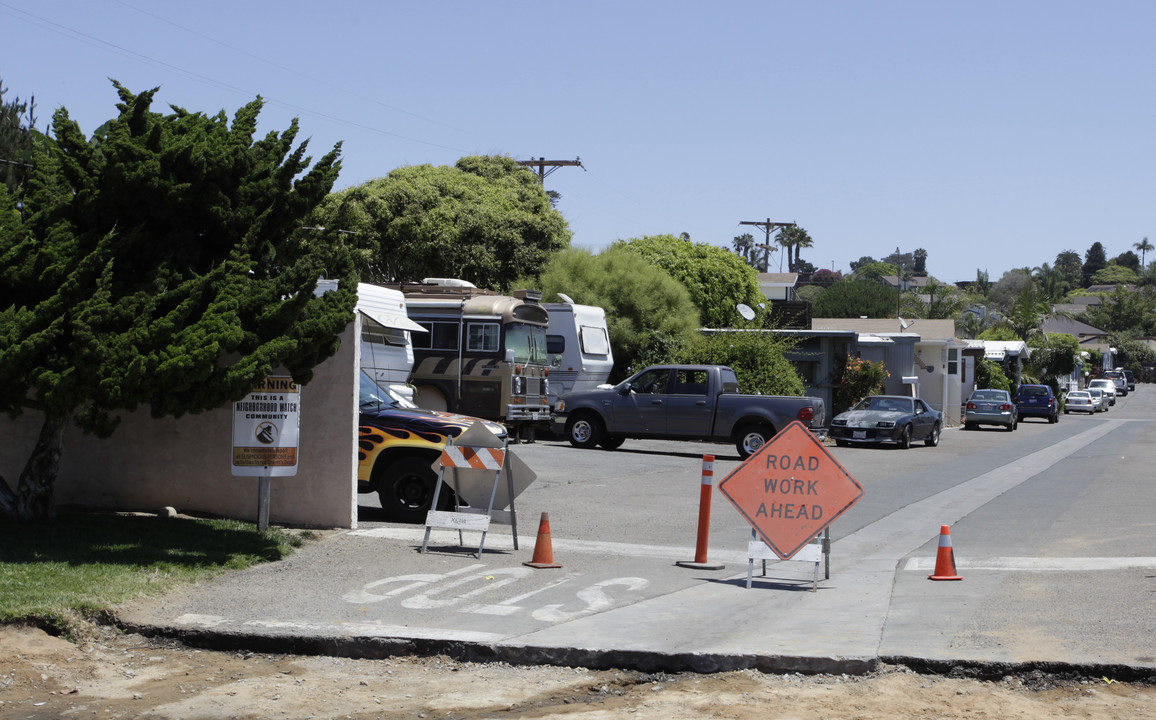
x=1009 y=287
x=865 y=260
x=758 y=359
x=989 y=374
x=971 y=323
x=793 y=239
x=1051 y=283
x=1070 y=269
x=1131 y=353
x=716 y=279
x=982 y=284
x=942 y=302
x=1127 y=259
x=157 y=267
x=1115 y=275
x=486 y=220
x=649 y=314
x=854 y=297
x=1053 y=356
x=1123 y=311
x=876 y=271
x=17 y=138
x=1143 y=246
x=1027 y=313
x=857 y=379
x=744 y=246
x=1095 y=259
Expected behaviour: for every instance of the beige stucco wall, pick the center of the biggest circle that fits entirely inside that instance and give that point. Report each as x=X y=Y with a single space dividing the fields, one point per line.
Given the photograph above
x=186 y=463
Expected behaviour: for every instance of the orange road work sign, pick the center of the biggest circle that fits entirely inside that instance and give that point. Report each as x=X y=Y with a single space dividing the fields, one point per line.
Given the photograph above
x=790 y=490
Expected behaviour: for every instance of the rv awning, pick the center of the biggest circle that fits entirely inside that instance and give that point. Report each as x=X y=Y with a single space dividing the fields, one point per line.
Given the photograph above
x=392 y=321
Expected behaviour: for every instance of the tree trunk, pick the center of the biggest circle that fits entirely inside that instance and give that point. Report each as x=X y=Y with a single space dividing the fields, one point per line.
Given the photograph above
x=33 y=499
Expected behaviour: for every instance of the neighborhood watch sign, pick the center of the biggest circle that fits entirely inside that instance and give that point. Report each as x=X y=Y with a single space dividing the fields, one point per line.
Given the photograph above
x=265 y=429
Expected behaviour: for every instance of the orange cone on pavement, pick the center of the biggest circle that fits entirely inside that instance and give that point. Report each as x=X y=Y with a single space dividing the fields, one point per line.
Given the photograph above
x=945 y=558
x=543 y=548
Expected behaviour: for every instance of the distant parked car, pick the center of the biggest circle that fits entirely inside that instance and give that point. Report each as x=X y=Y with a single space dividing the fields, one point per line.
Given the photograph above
x=1117 y=377
x=1108 y=386
x=990 y=407
x=1099 y=399
x=1037 y=401
x=1081 y=401
x=896 y=419
x=1131 y=378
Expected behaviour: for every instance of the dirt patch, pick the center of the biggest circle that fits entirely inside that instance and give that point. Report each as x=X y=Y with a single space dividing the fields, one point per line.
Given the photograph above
x=114 y=675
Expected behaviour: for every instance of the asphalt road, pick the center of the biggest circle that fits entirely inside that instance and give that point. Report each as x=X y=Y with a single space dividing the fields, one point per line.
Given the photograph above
x=1052 y=528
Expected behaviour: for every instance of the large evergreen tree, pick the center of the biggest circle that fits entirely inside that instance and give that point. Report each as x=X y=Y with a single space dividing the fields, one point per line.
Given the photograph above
x=486 y=220
x=156 y=266
x=17 y=137
x=717 y=279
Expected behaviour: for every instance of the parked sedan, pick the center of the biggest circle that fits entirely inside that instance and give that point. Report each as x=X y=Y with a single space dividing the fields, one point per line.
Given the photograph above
x=1081 y=401
x=990 y=407
x=895 y=419
x=1108 y=386
x=1099 y=398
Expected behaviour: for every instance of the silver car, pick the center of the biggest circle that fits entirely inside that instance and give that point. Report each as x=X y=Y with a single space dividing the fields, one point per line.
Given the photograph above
x=990 y=407
x=1080 y=401
x=1099 y=398
x=1107 y=386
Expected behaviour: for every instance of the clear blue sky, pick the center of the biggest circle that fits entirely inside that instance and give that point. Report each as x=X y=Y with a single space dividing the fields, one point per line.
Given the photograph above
x=992 y=134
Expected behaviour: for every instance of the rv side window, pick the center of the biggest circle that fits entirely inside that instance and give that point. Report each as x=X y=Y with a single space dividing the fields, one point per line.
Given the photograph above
x=593 y=340
x=441 y=336
x=555 y=344
x=483 y=337
x=384 y=336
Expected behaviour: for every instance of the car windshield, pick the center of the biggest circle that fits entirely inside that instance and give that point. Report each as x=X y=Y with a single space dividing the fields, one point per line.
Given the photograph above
x=1033 y=391
x=1079 y=395
x=885 y=404
x=375 y=397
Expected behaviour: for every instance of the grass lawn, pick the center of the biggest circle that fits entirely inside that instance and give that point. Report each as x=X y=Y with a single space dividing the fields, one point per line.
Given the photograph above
x=81 y=564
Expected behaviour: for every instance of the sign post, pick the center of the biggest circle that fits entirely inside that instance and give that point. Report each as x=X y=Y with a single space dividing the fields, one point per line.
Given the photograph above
x=790 y=491
x=266 y=425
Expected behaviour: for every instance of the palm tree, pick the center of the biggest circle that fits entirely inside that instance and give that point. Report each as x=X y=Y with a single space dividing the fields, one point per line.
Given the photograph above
x=743 y=245
x=794 y=238
x=1144 y=246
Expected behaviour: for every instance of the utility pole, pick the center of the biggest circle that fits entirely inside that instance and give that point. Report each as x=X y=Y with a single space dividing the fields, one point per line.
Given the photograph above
x=542 y=163
x=767 y=227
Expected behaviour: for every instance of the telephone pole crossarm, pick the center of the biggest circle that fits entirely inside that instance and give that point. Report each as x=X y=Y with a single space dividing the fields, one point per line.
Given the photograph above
x=767 y=227
x=542 y=163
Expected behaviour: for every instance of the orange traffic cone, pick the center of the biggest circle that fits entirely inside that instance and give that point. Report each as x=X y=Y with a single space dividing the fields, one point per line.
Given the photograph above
x=945 y=558
x=543 y=548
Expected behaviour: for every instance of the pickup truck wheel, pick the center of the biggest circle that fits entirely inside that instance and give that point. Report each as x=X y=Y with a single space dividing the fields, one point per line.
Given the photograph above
x=406 y=490
x=585 y=430
x=751 y=438
x=612 y=442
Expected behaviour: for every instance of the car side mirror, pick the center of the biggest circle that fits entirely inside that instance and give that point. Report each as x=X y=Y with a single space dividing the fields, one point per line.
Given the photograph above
x=509 y=356
x=625 y=389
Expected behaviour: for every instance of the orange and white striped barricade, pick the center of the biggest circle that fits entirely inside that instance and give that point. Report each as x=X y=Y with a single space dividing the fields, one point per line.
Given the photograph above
x=465 y=457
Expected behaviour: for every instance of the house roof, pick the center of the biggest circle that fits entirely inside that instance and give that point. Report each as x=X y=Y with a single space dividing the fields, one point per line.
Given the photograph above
x=1072 y=327
x=778 y=279
x=925 y=329
x=1000 y=349
x=911 y=282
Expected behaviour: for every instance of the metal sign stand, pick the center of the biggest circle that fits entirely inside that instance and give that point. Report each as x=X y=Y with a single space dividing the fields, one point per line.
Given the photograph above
x=465 y=457
x=816 y=551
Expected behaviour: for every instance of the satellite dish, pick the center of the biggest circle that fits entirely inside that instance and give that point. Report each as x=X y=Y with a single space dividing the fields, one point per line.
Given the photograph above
x=746 y=311
x=904 y=324
x=567 y=299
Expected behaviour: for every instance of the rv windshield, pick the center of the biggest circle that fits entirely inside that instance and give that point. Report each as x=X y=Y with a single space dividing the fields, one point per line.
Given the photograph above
x=528 y=343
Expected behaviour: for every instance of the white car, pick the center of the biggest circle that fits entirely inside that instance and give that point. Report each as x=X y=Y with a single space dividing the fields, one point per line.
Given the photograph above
x=1099 y=398
x=1080 y=401
x=1108 y=386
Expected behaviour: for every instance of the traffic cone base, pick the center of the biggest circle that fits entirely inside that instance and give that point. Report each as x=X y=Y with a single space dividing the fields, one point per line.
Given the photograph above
x=945 y=558
x=543 y=547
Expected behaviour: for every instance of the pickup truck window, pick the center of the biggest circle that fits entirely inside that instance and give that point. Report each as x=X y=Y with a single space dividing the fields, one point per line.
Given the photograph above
x=730 y=382
x=651 y=382
x=690 y=382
